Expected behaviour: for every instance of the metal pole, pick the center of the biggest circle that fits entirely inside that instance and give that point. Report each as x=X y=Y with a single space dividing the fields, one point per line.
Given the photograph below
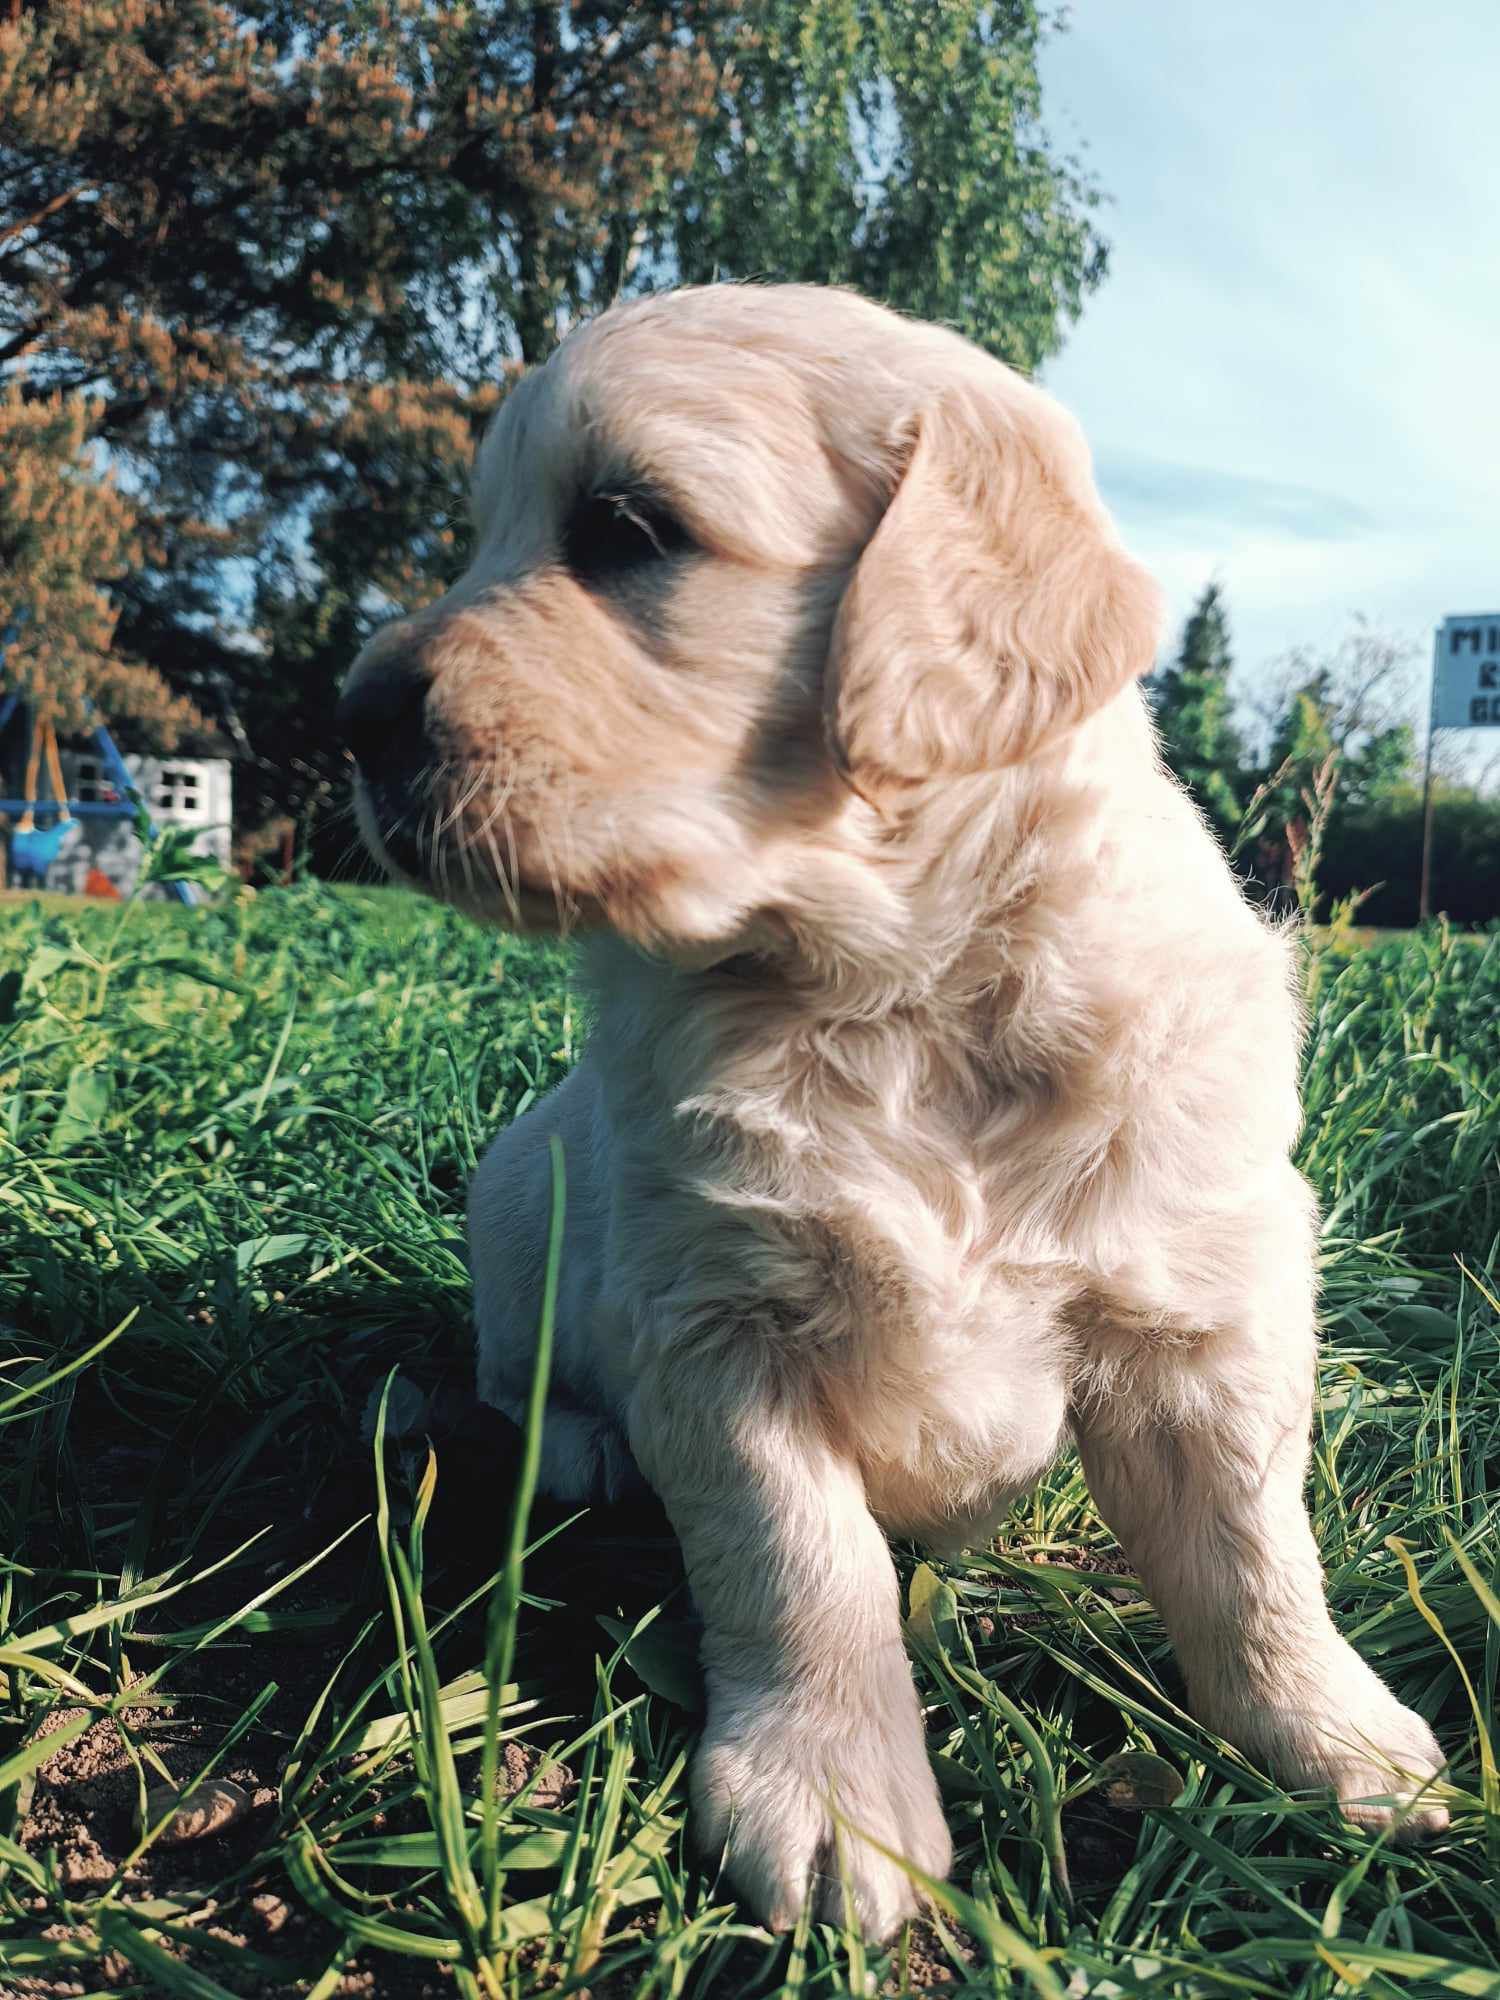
x=1424 y=894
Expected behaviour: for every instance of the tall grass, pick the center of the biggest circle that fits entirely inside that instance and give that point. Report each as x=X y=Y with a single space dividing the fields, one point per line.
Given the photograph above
x=246 y=1520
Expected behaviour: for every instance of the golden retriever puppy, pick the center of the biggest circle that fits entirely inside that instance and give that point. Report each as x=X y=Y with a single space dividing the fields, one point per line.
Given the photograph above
x=938 y=1107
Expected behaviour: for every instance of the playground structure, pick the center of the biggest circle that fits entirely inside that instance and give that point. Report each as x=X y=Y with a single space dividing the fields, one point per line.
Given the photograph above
x=104 y=803
x=101 y=794
x=103 y=800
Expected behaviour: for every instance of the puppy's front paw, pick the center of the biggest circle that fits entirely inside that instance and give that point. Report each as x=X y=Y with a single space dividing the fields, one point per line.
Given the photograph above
x=787 y=1796
x=1354 y=1736
x=1390 y=1755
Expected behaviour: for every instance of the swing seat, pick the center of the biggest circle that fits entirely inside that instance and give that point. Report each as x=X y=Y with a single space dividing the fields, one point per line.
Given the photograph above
x=35 y=849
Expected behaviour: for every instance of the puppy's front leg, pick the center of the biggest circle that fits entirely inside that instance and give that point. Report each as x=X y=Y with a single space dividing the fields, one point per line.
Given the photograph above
x=1210 y=1509
x=811 y=1707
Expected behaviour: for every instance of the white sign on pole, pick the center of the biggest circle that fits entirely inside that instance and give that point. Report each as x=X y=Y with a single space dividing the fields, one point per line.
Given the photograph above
x=1466 y=672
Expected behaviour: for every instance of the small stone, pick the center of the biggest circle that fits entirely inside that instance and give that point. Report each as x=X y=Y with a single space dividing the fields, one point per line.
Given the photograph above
x=1134 y=1781
x=208 y=1808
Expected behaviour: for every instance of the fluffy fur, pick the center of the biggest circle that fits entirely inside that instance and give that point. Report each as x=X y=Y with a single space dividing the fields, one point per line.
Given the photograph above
x=939 y=1103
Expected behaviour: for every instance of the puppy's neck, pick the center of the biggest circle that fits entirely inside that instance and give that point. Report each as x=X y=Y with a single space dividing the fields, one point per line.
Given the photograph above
x=935 y=903
x=918 y=907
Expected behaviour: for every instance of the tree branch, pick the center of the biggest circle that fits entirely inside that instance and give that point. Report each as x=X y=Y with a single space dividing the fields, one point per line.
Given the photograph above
x=48 y=208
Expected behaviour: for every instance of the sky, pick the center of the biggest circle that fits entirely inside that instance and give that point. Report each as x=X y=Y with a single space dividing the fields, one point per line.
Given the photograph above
x=1291 y=375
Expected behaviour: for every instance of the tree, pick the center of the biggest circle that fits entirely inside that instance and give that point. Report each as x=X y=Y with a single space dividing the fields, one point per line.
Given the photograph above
x=1194 y=712
x=1338 y=732
x=1380 y=768
x=299 y=247
x=898 y=149
x=1365 y=690
x=66 y=534
x=891 y=147
x=1373 y=851
x=261 y=236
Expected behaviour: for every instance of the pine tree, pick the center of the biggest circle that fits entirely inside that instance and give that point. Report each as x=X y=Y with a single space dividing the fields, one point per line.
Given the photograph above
x=67 y=533
x=1195 y=714
x=289 y=248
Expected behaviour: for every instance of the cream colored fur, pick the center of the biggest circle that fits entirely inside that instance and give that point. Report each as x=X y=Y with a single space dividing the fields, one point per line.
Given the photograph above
x=938 y=1107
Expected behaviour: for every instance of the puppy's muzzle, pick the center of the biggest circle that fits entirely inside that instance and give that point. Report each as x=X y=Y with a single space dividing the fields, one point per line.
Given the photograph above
x=382 y=717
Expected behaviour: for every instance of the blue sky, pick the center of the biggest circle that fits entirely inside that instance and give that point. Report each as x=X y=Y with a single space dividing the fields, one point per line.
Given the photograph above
x=1291 y=377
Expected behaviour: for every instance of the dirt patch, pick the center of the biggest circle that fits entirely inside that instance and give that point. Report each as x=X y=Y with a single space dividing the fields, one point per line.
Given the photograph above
x=927 y=1960
x=87 y=1796
x=248 y=1928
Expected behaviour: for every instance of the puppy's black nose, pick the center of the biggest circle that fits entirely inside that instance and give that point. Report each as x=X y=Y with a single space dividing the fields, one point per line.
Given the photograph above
x=381 y=712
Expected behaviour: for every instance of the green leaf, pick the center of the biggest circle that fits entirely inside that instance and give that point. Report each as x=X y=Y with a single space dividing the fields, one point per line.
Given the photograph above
x=85 y=1102
x=140 y=819
x=172 y=854
x=954 y=1780
x=303 y=1865
x=663 y=1656
x=932 y=1613
x=256 y=1252
x=45 y=962
x=195 y=969
x=1422 y=1326
x=463 y=1703
x=527 y=1847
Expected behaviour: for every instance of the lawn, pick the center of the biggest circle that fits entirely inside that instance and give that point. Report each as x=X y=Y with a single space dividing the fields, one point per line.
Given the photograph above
x=233 y=1147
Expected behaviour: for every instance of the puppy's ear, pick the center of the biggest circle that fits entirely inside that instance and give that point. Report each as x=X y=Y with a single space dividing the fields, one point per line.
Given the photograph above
x=992 y=608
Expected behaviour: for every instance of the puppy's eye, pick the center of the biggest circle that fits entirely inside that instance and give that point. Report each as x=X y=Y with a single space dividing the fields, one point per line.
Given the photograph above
x=611 y=536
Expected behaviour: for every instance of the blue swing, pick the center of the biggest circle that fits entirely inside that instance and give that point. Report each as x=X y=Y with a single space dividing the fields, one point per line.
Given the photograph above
x=33 y=849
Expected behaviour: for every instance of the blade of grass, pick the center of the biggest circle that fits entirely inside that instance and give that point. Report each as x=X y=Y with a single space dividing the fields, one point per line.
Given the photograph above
x=505 y=1609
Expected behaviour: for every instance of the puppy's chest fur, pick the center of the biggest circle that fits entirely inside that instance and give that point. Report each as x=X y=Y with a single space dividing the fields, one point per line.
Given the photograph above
x=909 y=1231
x=947 y=1224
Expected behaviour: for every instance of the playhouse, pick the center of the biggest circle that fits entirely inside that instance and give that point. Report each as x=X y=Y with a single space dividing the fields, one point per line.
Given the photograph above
x=195 y=791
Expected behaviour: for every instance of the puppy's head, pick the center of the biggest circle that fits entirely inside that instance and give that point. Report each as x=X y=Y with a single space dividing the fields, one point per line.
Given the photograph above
x=744 y=558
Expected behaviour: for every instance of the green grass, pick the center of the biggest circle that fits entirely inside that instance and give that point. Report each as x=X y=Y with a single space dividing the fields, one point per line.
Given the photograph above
x=233 y=1146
